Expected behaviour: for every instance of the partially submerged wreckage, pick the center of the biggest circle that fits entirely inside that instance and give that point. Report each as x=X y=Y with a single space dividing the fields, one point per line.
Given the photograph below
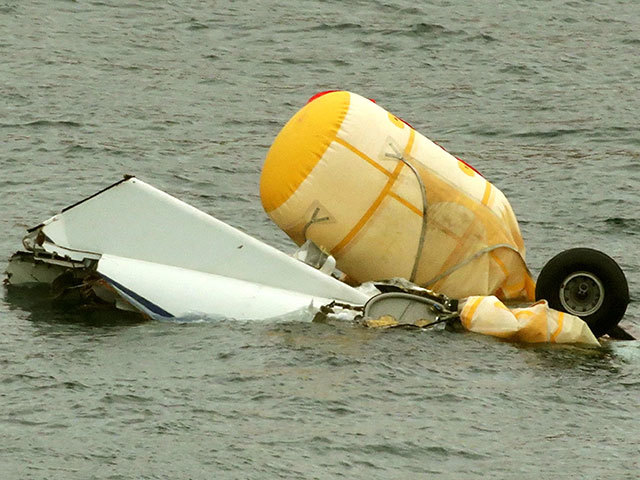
x=372 y=203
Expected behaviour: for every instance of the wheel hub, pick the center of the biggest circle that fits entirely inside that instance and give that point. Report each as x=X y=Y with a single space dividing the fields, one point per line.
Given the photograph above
x=581 y=293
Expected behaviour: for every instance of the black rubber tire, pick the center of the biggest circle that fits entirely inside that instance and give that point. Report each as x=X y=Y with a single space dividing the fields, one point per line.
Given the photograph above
x=600 y=276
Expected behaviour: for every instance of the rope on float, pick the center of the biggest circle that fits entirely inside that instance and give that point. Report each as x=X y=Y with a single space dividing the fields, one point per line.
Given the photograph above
x=399 y=155
x=469 y=259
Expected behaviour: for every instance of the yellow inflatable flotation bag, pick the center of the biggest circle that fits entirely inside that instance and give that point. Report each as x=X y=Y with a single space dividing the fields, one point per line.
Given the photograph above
x=387 y=202
x=532 y=324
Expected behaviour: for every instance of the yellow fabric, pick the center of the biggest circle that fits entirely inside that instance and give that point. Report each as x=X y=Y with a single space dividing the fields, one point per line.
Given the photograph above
x=533 y=324
x=333 y=176
x=300 y=146
x=385 y=321
x=388 y=321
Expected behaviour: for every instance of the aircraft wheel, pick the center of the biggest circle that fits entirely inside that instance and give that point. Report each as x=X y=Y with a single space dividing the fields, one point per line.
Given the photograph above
x=586 y=283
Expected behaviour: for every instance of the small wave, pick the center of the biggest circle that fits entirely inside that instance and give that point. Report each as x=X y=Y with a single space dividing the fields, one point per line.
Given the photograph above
x=551 y=133
x=195 y=25
x=485 y=37
x=218 y=168
x=43 y=123
x=341 y=62
x=78 y=149
x=423 y=27
x=298 y=61
x=626 y=225
x=444 y=451
x=519 y=68
x=420 y=29
x=128 y=398
x=411 y=11
x=13 y=95
x=196 y=317
x=338 y=26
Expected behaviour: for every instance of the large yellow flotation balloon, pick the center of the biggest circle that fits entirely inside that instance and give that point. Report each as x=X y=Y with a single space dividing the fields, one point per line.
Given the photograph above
x=387 y=202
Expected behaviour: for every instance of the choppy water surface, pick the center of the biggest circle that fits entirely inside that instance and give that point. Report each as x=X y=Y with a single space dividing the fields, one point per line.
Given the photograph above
x=542 y=97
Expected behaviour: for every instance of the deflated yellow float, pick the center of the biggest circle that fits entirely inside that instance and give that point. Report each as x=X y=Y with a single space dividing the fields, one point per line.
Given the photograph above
x=387 y=202
x=536 y=323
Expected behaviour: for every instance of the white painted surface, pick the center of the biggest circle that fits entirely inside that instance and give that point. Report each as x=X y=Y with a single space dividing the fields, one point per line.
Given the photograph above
x=164 y=291
x=137 y=221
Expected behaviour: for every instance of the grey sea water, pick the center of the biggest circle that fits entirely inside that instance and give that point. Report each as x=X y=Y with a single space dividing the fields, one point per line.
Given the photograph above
x=542 y=97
